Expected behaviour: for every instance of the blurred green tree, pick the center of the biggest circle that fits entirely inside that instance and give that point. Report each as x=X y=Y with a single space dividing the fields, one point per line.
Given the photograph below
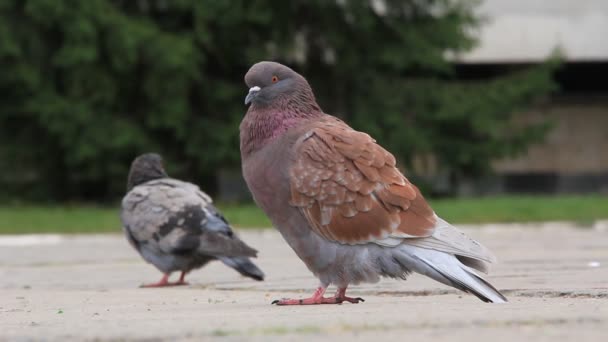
x=87 y=85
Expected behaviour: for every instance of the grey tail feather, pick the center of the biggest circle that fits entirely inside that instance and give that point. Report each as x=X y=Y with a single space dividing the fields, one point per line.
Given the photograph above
x=488 y=285
x=462 y=285
x=447 y=269
x=244 y=266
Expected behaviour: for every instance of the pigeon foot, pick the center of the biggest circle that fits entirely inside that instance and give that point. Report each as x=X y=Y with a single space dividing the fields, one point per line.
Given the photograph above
x=167 y=284
x=164 y=282
x=317 y=298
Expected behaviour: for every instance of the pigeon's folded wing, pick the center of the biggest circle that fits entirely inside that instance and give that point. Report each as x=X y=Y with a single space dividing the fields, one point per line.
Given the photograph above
x=350 y=190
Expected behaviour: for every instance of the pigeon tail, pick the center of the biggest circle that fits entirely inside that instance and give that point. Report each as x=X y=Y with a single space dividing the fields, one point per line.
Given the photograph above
x=447 y=269
x=244 y=266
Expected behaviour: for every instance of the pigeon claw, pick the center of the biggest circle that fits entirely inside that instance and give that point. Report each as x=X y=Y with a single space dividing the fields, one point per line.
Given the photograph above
x=317 y=298
x=317 y=301
x=353 y=300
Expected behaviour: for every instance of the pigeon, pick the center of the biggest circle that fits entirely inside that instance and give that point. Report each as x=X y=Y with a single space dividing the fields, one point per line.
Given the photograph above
x=174 y=225
x=339 y=200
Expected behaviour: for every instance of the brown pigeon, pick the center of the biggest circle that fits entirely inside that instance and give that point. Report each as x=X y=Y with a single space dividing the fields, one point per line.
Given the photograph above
x=339 y=200
x=174 y=225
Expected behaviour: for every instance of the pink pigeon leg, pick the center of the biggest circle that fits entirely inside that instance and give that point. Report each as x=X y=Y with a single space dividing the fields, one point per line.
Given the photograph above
x=317 y=298
x=164 y=282
x=181 y=280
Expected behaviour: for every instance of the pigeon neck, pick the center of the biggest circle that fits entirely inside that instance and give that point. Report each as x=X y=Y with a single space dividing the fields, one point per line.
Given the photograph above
x=263 y=125
x=138 y=176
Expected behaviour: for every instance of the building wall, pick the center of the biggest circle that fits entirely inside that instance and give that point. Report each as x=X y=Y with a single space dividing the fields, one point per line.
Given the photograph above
x=530 y=30
x=577 y=143
x=572 y=159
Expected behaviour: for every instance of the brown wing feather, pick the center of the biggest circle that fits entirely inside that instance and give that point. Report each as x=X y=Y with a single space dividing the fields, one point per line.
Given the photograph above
x=350 y=190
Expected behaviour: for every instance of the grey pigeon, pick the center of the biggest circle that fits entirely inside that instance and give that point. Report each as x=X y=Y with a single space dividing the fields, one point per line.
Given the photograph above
x=174 y=225
x=339 y=200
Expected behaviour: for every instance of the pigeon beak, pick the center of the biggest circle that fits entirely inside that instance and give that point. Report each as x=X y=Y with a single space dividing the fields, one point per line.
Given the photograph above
x=253 y=92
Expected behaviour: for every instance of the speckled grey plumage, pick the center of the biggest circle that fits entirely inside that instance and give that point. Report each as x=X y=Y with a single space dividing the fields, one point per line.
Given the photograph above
x=175 y=227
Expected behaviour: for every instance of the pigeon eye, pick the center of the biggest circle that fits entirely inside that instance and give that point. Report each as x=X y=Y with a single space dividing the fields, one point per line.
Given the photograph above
x=275 y=79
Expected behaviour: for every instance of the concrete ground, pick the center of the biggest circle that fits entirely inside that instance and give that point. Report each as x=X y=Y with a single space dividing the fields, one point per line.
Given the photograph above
x=86 y=288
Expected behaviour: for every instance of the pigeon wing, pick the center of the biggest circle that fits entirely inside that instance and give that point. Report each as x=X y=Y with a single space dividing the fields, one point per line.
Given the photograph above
x=350 y=190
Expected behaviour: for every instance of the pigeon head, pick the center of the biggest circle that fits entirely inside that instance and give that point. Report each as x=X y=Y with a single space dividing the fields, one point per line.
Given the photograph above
x=275 y=85
x=146 y=167
x=279 y=99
